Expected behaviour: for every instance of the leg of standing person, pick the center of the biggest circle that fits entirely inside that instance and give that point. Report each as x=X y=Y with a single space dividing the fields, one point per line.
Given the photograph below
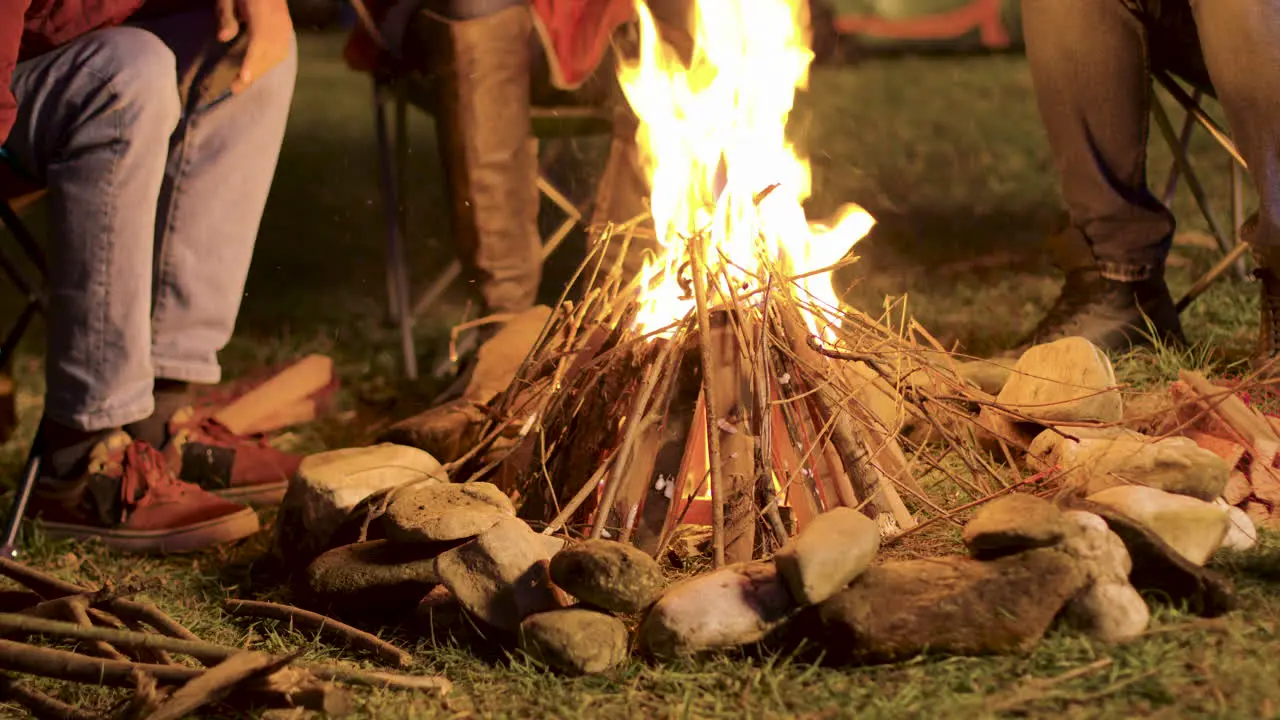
x=1241 y=42
x=1090 y=66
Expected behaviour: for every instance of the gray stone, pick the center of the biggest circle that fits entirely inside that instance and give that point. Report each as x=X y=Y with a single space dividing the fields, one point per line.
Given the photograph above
x=575 y=641
x=1014 y=523
x=1110 y=608
x=734 y=606
x=501 y=576
x=1110 y=612
x=952 y=605
x=1193 y=527
x=1068 y=380
x=828 y=554
x=609 y=575
x=328 y=485
x=432 y=513
x=372 y=577
x=1093 y=464
x=1162 y=572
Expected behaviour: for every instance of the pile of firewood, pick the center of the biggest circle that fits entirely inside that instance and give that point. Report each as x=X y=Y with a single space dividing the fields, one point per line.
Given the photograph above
x=125 y=643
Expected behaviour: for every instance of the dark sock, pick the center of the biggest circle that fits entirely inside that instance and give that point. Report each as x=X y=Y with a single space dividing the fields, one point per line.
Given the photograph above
x=65 y=450
x=171 y=396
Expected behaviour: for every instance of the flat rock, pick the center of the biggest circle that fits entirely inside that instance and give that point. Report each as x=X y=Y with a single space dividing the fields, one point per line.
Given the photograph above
x=734 y=606
x=452 y=511
x=1161 y=571
x=609 y=575
x=575 y=641
x=329 y=485
x=952 y=605
x=372 y=577
x=1193 y=527
x=1110 y=608
x=1068 y=380
x=1092 y=464
x=501 y=576
x=1014 y=523
x=828 y=554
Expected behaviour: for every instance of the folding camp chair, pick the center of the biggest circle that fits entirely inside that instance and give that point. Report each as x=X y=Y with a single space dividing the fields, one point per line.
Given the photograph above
x=1179 y=143
x=552 y=124
x=16 y=194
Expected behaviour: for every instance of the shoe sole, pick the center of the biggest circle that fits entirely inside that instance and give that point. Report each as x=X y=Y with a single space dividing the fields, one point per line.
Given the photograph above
x=216 y=531
x=263 y=495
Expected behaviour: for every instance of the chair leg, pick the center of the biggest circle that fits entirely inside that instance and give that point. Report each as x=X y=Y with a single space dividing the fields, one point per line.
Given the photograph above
x=1237 y=214
x=1193 y=181
x=397 y=276
x=19 y=229
x=27 y=483
x=1183 y=147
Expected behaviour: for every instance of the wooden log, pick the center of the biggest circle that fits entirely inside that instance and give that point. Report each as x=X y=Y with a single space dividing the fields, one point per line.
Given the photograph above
x=731 y=406
x=798 y=486
x=847 y=439
x=692 y=471
x=309 y=375
x=662 y=485
x=299 y=412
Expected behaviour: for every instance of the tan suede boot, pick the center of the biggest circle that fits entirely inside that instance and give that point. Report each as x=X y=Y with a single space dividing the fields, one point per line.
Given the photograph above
x=489 y=153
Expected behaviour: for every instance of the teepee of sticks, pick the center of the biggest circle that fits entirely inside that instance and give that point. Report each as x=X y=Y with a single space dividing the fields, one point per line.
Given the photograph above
x=725 y=385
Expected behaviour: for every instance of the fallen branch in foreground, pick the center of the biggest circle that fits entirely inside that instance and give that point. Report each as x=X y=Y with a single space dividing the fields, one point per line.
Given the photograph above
x=307 y=620
x=206 y=652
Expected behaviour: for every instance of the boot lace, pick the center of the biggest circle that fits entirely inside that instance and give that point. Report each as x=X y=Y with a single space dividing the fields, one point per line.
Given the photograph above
x=146 y=479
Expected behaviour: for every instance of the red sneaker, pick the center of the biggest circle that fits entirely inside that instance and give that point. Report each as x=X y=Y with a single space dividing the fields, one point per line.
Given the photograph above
x=239 y=468
x=131 y=500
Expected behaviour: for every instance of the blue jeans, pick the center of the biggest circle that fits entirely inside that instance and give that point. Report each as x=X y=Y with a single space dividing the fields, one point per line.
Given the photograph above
x=1090 y=62
x=154 y=205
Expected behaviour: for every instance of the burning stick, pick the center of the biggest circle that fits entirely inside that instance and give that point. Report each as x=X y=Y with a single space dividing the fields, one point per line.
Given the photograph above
x=709 y=391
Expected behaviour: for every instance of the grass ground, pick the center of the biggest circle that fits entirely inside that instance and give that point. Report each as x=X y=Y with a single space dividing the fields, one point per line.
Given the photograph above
x=948 y=154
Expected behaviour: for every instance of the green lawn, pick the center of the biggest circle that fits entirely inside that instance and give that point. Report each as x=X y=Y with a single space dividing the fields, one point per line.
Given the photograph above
x=948 y=154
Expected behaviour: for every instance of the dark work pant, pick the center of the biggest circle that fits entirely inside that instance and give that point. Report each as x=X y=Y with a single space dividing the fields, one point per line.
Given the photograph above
x=1090 y=63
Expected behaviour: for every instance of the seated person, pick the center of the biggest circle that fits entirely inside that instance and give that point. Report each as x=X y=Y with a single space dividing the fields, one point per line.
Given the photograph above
x=481 y=55
x=156 y=130
x=1090 y=63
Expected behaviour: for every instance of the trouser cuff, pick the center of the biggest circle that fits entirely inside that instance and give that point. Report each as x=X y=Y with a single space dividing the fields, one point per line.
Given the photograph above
x=1128 y=272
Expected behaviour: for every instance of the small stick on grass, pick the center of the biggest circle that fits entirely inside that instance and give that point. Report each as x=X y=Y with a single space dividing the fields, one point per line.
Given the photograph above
x=307 y=620
x=206 y=652
x=41 y=705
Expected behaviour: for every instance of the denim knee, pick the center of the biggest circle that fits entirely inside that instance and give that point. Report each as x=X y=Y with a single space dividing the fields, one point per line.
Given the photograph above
x=139 y=70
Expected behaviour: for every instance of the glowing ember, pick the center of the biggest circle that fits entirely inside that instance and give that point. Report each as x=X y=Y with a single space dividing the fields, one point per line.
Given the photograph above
x=713 y=139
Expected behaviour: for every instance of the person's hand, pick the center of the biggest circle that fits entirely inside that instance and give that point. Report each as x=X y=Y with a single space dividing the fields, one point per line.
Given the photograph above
x=268 y=35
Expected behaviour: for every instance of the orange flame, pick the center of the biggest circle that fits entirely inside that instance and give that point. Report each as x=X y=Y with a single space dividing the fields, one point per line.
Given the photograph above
x=723 y=174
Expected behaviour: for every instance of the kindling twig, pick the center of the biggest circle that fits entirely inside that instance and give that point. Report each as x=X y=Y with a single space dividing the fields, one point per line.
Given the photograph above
x=714 y=457
x=308 y=620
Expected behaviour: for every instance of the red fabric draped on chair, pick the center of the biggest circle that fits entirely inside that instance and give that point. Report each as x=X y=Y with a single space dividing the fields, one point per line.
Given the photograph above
x=574 y=33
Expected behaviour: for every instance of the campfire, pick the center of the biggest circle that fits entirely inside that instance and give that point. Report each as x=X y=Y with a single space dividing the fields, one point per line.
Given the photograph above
x=720 y=379
x=725 y=386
